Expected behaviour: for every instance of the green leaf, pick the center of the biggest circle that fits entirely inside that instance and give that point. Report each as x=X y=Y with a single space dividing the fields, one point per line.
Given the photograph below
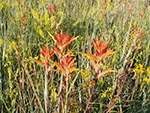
x=1 y=5
x=51 y=36
x=1 y=42
x=41 y=33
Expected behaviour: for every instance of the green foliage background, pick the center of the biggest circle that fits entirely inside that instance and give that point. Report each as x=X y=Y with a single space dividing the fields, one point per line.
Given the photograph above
x=26 y=25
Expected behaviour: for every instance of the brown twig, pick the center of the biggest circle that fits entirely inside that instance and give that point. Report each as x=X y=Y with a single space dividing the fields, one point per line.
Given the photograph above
x=89 y=99
x=26 y=76
x=21 y=91
x=120 y=88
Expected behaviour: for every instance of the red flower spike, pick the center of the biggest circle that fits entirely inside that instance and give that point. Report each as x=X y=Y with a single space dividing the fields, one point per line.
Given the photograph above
x=62 y=41
x=44 y=51
x=101 y=52
x=100 y=47
x=67 y=63
x=51 y=52
x=23 y=20
x=51 y=8
x=58 y=52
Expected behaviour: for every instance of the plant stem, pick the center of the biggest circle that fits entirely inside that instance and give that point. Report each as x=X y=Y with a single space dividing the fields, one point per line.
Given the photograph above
x=46 y=90
x=22 y=95
x=90 y=97
x=60 y=96
x=125 y=44
x=66 y=99
x=29 y=81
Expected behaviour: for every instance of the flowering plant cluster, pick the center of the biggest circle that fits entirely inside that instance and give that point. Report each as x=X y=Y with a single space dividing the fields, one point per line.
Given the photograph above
x=79 y=56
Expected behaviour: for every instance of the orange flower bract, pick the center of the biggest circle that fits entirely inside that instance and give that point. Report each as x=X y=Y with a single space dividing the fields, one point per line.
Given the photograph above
x=62 y=40
x=46 y=54
x=67 y=61
x=100 y=47
x=101 y=52
x=67 y=64
x=44 y=51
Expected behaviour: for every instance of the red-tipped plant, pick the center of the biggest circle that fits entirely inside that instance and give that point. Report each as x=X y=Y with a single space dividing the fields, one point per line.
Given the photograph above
x=46 y=55
x=101 y=52
x=67 y=64
x=62 y=41
x=51 y=8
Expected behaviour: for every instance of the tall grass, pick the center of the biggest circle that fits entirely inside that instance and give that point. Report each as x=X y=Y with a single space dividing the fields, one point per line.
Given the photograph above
x=32 y=82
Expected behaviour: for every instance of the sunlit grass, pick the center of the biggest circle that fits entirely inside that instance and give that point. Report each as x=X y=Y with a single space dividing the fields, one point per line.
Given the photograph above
x=79 y=76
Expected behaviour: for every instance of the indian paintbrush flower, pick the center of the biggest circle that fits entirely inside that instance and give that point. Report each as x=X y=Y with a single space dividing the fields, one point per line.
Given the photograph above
x=46 y=55
x=67 y=64
x=51 y=8
x=101 y=52
x=62 y=41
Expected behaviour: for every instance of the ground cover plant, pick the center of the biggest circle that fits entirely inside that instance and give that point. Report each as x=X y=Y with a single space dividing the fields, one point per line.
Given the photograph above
x=75 y=56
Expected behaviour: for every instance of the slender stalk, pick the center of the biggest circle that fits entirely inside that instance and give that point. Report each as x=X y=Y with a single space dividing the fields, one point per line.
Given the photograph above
x=89 y=99
x=113 y=101
x=7 y=108
x=120 y=106
x=125 y=44
x=29 y=81
x=22 y=95
x=66 y=99
x=46 y=90
x=60 y=96
x=36 y=96
x=1 y=66
x=91 y=93
x=147 y=62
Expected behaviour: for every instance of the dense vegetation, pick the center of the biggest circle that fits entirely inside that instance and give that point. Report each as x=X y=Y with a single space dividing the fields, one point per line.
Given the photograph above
x=74 y=56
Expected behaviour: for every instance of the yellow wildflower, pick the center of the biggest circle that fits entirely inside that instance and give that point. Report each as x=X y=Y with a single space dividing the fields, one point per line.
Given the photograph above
x=148 y=71
x=139 y=69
